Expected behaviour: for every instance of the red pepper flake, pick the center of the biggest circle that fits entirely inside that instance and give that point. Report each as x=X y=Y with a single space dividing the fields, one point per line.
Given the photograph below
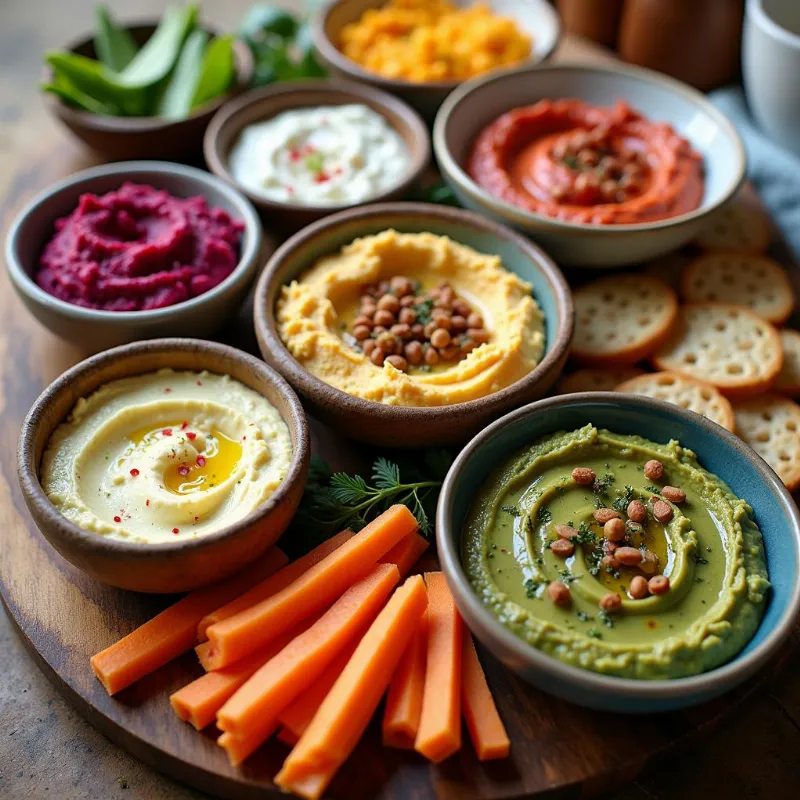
x=196 y=518
x=134 y=472
x=184 y=425
x=147 y=502
x=191 y=435
x=321 y=177
x=167 y=431
x=175 y=530
x=201 y=461
x=244 y=437
x=183 y=470
x=295 y=154
x=167 y=390
x=117 y=519
x=199 y=383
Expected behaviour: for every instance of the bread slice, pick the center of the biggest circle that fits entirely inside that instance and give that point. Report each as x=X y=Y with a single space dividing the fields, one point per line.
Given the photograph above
x=788 y=381
x=596 y=380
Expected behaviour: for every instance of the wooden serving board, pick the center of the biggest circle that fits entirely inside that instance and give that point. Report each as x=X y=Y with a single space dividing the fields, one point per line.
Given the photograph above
x=64 y=617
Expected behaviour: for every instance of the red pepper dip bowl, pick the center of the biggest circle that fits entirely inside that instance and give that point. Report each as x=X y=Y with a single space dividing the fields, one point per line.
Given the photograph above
x=134 y=250
x=602 y=166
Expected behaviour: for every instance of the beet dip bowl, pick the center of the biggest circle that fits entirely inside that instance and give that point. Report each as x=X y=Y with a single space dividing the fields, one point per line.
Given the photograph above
x=134 y=250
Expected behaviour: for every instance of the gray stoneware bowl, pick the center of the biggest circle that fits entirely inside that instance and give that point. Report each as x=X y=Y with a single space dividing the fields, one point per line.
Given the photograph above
x=719 y=451
x=162 y=568
x=95 y=329
x=403 y=426
x=122 y=138
x=262 y=104
x=476 y=104
x=537 y=18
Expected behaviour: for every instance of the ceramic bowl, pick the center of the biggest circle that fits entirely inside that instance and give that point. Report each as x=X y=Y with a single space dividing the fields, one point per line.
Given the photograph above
x=95 y=329
x=469 y=109
x=403 y=426
x=262 y=104
x=170 y=567
x=121 y=138
x=719 y=451
x=537 y=18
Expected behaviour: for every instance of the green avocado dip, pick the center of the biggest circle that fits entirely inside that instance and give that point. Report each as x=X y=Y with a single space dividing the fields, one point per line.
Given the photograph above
x=541 y=554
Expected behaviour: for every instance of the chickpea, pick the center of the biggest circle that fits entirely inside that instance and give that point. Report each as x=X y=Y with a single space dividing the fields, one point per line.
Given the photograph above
x=401 y=286
x=441 y=320
x=398 y=362
x=610 y=602
x=447 y=294
x=407 y=316
x=614 y=530
x=361 y=332
x=450 y=353
x=378 y=330
x=588 y=157
x=654 y=470
x=629 y=556
x=603 y=515
x=609 y=562
x=609 y=188
x=440 y=338
x=584 y=476
x=674 y=494
x=649 y=563
x=387 y=342
x=662 y=511
x=368 y=345
x=658 y=584
x=406 y=301
x=384 y=318
x=377 y=355
x=441 y=303
x=389 y=303
x=417 y=330
x=362 y=320
x=401 y=331
x=565 y=531
x=431 y=356
x=474 y=320
x=637 y=511
x=559 y=594
x=413 y=353
x=562 y=548
x=458 y=323
x=430 y=328
x=638 y=588
x=478 y=335
x=461 y=307
x=368 y=310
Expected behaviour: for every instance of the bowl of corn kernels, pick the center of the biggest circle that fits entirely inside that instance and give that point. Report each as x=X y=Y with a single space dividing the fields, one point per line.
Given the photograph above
x=420 y=50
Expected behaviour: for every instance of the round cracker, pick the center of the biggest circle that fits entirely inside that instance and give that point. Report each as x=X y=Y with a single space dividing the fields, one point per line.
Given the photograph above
x=788 y=381
x=702 y=398
x=757 y=282
x=725 y=345
x=622 y=319
x=770 y=424
x=740 y=225
x=596 y=380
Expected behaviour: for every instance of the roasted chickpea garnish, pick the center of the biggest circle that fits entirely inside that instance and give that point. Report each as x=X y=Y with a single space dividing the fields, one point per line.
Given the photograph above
x=400 y=324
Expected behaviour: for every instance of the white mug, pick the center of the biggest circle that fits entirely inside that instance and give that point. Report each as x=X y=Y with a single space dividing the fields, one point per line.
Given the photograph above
x=771 y=68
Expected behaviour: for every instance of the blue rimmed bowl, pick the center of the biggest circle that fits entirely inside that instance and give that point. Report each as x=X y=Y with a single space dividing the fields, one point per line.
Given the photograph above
x=718 y=451
x=404 y=426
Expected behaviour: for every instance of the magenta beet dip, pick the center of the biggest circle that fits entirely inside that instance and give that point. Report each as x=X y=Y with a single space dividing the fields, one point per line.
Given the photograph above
x=138 y=248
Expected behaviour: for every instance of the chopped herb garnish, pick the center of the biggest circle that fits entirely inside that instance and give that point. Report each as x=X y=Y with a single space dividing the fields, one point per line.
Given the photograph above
x=513 y=510
x=623 y=500
x=698 y=579
x=530 y=587
x=314 y=162
x=566 y=577
x=584 y=535
x=653 y=489
x=605 y=618
x=698 y=559
x=593 y=560
x=593 y=633
x=424 y=310
x=601 y=485
x=583 y=616
x=539 y=561
x=544 y=515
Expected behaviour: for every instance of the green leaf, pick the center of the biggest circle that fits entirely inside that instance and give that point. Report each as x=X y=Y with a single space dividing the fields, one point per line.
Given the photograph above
x=306 y=64
x=385 y=474
x=218 y=71
x=176 y=101
x=348 y=488
x=160 y=52
x=61 y=87
x=115 y=47
x=264 y=19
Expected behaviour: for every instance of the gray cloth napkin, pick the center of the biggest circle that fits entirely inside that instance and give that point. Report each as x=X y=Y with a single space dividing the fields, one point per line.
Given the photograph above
x=774 y=172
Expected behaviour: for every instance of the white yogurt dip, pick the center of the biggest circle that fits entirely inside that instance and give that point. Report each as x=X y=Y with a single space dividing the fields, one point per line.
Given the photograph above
x=324 y=156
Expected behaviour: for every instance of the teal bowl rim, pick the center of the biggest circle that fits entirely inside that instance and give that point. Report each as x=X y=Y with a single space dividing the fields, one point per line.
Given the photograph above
x=276 y=352
x=627 y=689
x=455 y=174
x=204 y=182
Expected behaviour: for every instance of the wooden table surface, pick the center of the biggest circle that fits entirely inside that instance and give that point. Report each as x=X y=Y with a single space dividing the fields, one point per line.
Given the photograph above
x=46 y=749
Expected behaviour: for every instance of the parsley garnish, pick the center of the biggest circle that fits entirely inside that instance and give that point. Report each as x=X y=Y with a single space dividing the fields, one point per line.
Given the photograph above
x=601 y=485
x=698 y=559
x=544 y=515
x=583 y=616
x=605 y=618
x=566 y=577
x=593 y=561
x=623 y=500
x=593 y=633
x=584 y=535
x=513 y=510
x=423 y=310
x=530 y=587
x=653 y=489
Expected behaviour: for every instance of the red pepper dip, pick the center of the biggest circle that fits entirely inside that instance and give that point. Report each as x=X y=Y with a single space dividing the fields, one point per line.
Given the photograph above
x=588 y=164
x=138 y=248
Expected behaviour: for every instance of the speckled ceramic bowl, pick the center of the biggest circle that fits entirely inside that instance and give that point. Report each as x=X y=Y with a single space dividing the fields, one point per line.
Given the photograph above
x=719 y=451
x=537 y=18
x=403 y=426
x=183 y=565
x=475 y=105
x=95 y=329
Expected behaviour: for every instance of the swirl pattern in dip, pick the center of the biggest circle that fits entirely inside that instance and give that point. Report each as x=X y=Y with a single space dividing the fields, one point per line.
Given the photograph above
x=166 y=455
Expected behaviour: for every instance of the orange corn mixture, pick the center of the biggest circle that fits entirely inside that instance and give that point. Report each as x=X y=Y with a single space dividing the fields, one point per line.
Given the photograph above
x=433 y=40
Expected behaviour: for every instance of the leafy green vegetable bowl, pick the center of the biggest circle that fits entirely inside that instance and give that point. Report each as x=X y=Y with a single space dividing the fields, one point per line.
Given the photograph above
x=151 y=137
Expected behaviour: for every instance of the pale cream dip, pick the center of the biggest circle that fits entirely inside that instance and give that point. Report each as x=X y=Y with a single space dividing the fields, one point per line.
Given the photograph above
x=166 y=456
x=323 y=156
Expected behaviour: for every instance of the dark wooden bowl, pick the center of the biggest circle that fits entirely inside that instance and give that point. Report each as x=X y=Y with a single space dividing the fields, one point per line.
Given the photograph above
x=262 y=104
x=170 y=567
x=122 y=138
x=405 y=426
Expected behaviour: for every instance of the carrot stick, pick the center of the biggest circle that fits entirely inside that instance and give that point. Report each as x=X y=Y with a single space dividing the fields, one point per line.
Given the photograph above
x=344 y=714
x=238 y=749
x=238 y=636
x=273 y=584
x=173 y=631
x=480 y=712
x=203 y=652
x=406 y=553
x=439 y=734
x=404 y=699
x=287 y=737
x=297 y=716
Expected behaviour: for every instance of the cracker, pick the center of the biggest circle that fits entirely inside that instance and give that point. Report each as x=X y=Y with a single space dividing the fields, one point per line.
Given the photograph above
x=596 y=380
x=788 y=381
x=757 y=282
x=621 y=319
x=740 y=225
x=770 y=424
x=725 y=345
x=702 y=398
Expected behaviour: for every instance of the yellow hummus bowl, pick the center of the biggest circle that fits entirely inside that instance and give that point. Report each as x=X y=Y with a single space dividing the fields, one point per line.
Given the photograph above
x=306 y=294
x=141 y=516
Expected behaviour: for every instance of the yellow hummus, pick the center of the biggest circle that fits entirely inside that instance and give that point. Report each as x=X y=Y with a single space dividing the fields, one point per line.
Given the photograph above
x=166 y=456
x=313 y=311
